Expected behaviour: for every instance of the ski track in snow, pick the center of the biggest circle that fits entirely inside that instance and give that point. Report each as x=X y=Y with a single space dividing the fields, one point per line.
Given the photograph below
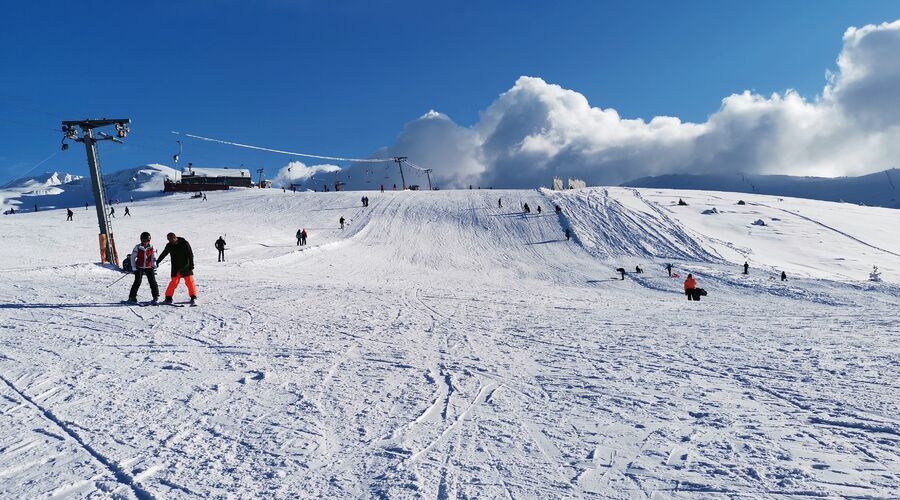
x=442 y=347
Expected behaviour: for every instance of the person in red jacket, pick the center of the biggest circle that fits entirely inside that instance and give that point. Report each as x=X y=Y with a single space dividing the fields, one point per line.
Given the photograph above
x=690 y=288
x=143 y=263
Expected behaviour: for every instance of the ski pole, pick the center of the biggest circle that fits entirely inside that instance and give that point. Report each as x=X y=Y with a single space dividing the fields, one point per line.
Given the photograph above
x=118 y=280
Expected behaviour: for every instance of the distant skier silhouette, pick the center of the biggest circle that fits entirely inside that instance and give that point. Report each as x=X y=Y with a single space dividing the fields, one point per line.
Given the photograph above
x=69 y=214
x=220 y=246
x=341 y=220
x=746 y=268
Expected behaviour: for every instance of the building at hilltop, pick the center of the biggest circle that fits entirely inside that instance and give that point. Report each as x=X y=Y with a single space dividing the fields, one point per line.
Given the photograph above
x=209 y=179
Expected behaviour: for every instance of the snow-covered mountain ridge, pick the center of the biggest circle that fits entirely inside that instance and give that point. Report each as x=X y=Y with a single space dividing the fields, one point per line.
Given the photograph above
x=60 y=190
x=880 y=189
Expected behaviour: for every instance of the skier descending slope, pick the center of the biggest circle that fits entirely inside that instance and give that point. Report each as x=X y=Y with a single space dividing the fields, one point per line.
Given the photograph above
x=143 y=262
x=182 y=266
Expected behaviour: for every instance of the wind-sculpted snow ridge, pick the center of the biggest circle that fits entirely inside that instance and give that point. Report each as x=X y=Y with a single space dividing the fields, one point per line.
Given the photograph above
x=444 y=346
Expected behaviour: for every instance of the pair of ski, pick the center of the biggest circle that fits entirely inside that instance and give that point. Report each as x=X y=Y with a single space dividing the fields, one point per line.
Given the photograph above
x=169 y=304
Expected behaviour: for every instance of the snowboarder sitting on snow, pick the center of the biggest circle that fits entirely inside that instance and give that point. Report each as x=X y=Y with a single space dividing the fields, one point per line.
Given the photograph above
x=638 y=270
x=690 y=288
x=182 y=266
x=783 y=276
x=681 y=202
x=526 y=208
x=143 y=263
x=220 y=246
x=621 y=270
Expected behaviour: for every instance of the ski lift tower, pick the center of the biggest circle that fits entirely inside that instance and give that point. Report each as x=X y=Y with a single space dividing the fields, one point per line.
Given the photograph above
x=400 y=160
x=108 y=253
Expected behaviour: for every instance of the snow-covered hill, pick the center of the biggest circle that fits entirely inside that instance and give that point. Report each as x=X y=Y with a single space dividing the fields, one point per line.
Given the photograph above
x=881 y=189
x=443 y=346
x=60 y=190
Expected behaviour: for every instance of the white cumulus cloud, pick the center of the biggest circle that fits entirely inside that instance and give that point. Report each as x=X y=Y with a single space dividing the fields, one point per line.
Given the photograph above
x=297 y=172
x=537 y=130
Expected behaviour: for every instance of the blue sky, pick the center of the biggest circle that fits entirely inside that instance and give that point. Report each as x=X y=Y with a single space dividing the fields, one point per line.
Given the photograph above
x=343 y=78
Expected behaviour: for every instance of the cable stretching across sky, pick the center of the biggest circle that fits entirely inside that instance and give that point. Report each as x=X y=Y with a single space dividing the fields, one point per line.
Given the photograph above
x=290 y=153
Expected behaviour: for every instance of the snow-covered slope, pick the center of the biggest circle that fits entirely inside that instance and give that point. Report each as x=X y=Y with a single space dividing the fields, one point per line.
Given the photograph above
x=442 y=346
x=58 y=190
x=881 y=189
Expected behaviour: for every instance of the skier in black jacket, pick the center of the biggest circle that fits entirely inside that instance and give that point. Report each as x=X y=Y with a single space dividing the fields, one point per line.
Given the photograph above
x=182 y=266
x=220 y=246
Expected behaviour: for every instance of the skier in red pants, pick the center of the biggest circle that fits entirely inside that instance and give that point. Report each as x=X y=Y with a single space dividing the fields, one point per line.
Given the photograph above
x=182 y=266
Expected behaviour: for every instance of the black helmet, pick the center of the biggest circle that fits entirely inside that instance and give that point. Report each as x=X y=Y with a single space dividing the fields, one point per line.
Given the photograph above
x=145 y=236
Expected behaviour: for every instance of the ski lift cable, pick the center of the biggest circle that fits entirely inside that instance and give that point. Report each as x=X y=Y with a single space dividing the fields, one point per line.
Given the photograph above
x=289 y=153
x=413 y=165
x=38 y=164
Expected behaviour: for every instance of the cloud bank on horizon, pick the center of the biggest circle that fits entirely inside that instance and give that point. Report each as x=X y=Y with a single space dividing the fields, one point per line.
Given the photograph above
x=537 y=130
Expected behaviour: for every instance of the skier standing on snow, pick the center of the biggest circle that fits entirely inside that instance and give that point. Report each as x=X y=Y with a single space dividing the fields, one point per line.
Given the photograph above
x=669 y=269
x=69 y=214
x=127 y=212
x=299 y=237
x=539 y=209
x=690 y=288
x=303 y=237
x=568 y=234
x=746 y=267
x=499 y=202
x=783 y=276
x=112 y=212
x=143 y=263
x=220 y=246
x=182 y=266
x=341 y=220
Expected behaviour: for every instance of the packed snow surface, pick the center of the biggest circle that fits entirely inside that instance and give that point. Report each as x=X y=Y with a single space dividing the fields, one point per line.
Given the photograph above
x=442 y=346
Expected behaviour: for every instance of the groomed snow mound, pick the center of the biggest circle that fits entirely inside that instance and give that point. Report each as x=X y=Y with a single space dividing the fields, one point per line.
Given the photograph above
x=443 y=346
